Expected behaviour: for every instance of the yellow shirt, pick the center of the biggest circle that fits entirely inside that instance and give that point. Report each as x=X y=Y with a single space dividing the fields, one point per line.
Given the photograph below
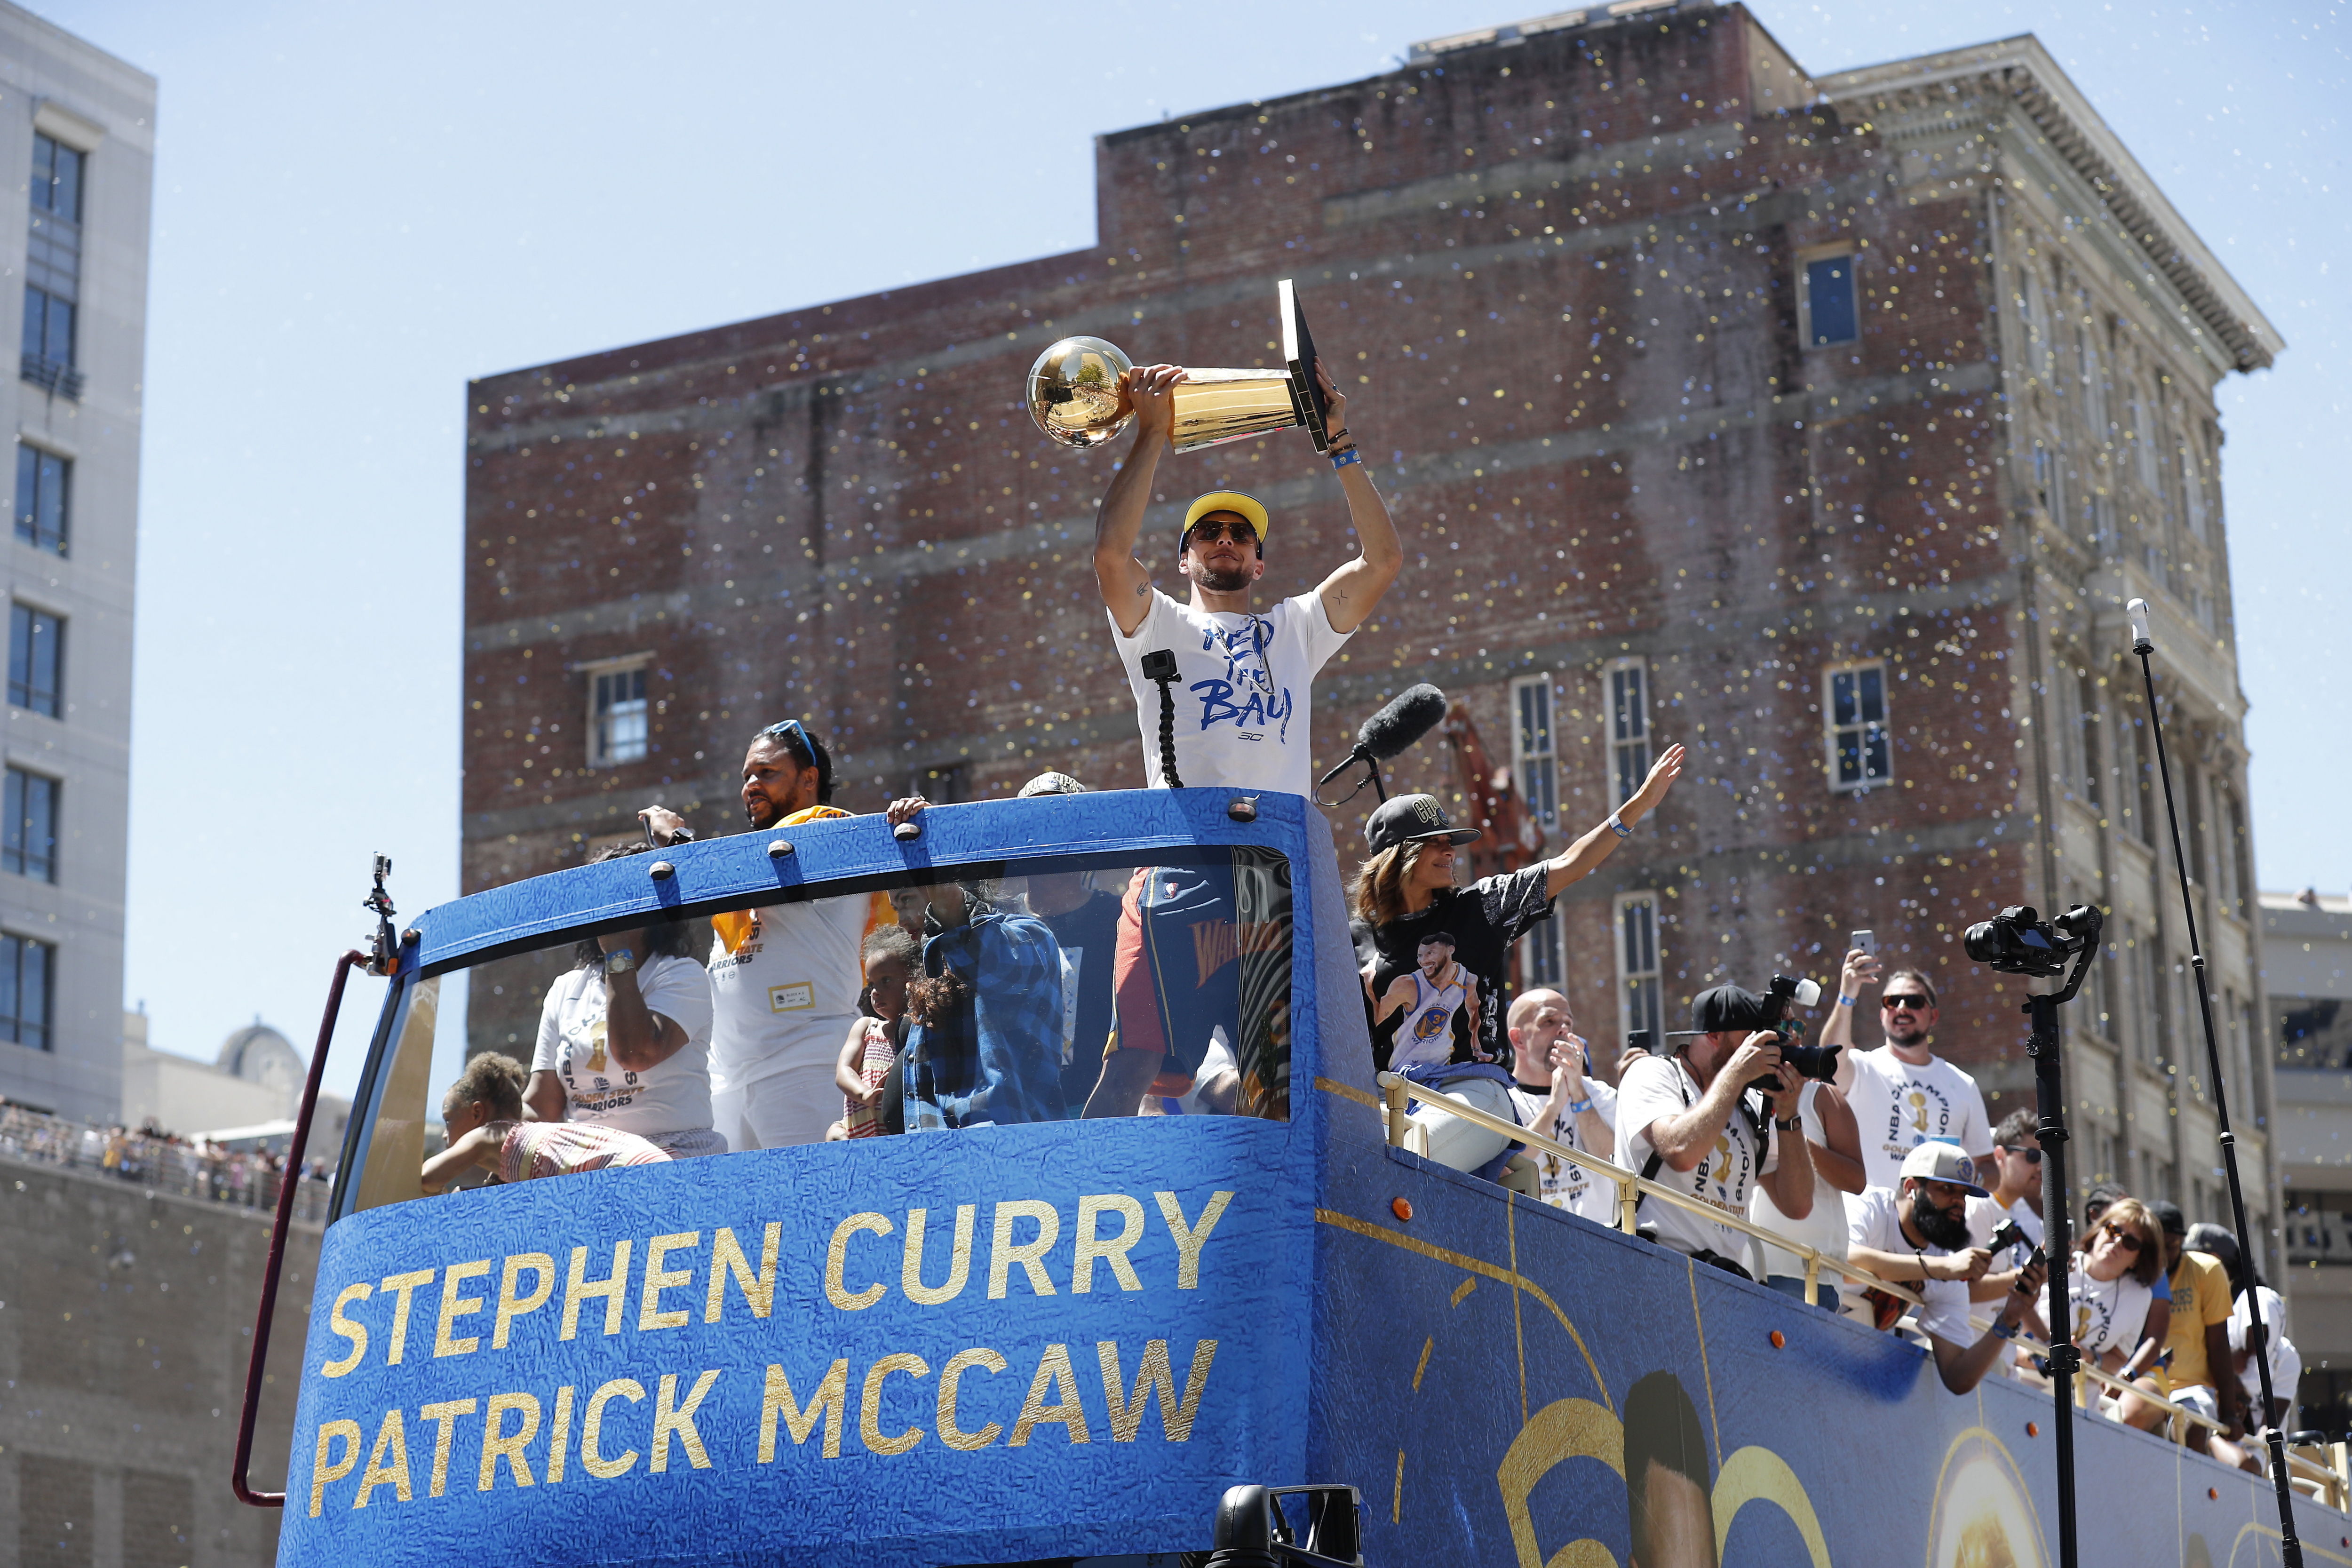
x=2201 y=1296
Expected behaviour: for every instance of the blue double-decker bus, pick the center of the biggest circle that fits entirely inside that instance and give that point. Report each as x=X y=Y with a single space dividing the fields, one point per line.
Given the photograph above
x=1064 y=1339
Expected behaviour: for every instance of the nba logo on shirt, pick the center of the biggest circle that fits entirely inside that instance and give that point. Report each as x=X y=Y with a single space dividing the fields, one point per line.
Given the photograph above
x=796 y=997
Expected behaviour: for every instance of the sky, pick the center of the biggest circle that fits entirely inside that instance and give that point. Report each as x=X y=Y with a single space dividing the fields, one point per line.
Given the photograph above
x=358 y=209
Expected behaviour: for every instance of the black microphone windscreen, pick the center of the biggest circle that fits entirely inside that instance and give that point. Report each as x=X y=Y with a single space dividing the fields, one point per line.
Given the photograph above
x=1415 y=712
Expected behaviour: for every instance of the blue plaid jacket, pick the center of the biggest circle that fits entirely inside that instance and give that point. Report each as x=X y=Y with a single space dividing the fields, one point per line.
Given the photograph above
x=999 y=1057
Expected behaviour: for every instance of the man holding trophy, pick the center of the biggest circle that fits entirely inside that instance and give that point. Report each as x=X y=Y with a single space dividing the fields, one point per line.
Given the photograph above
x=1223 y=691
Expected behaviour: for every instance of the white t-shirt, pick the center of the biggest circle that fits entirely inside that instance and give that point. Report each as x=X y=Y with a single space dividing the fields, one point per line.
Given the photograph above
x=785 y=995
x=2286 y=1361
x=2108 y=1316
x=1874 y=1219
x=1245 y=690
x=1899 y=1107
x=1725 y=1175
x=1567 y=1185
x=1823 y=1229
x=672 y=1097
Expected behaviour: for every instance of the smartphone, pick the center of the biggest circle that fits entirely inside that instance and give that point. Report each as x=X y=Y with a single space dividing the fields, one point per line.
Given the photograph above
x=1865 y=940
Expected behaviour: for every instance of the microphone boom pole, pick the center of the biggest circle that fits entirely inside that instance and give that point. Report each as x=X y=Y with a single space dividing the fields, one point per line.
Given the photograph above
x=2290 y=1549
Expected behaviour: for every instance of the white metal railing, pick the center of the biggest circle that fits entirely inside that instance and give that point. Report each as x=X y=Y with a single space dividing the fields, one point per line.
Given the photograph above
x=235 y=1179
x=2329 y=1476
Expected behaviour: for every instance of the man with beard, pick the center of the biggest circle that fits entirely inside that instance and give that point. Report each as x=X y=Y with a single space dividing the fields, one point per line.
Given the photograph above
x=783 y=979
x=1243 y=703
x=1917 y=1234
x=1244 y=681
x=1903 y=1093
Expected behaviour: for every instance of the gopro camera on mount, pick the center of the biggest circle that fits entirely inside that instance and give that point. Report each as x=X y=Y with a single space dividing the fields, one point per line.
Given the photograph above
x=1818 y=1062
x=2018 y=942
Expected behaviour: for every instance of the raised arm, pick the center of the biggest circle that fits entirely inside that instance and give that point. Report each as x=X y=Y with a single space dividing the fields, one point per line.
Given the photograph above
x=1351 y=593
x=1126 y=585
x=1684 y=1139
x=1583 y=857
x=1840 y=1160
x=1837 y=1029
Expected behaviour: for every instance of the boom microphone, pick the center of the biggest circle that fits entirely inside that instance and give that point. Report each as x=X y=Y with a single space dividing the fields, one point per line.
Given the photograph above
x=1411 y=714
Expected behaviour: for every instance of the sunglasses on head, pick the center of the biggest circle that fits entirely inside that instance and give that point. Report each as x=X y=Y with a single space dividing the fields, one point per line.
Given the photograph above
x=788 y=727
x=1917 y=1004
x=2030 y=1156
x=1212 y=530
x=2123 y=1239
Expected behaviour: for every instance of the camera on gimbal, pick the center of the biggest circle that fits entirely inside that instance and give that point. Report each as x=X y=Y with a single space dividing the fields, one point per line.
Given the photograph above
x=2018 y=942
x=1819 y=1062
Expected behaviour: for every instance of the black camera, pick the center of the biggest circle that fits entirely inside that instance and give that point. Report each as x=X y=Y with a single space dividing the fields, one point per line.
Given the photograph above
x=2012 y=1234
x=2018 y=942
x=1817 y=1062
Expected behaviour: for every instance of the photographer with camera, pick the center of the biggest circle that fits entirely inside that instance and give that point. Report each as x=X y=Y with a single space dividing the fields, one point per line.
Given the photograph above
x=1707 y=1113
x=1903 y=1093
x=1917 y=1234
x=1834 y=1144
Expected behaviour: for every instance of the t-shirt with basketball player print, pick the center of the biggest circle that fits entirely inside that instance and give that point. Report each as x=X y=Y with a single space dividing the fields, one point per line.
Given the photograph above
x=1899 y=1107
x=1469 y=930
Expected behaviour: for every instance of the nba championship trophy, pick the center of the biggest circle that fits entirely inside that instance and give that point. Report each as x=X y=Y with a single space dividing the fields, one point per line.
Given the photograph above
x=1078 y=392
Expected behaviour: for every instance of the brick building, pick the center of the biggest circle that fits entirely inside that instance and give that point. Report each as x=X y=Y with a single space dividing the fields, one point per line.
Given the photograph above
x=1822 y=425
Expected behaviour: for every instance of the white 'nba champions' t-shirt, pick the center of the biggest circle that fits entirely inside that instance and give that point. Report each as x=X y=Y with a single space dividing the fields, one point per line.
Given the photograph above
x=673 y=1095
x=1899 y=1107
x=1245 y=690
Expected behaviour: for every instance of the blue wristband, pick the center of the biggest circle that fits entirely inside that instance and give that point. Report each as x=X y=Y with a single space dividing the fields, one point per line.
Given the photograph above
x=1848 y=1001
x=1342 y=459
x=1580 y=1108
x=1618 y=827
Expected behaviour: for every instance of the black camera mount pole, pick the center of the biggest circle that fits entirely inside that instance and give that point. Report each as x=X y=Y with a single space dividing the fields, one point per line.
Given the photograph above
x=2041 y=1042
x=2290 y=1548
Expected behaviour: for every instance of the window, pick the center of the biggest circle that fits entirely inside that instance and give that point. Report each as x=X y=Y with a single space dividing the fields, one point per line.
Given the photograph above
x=2087 y=718
x=943 y=785
x=2050 y=482
x=29 y=837
x=53 y=267
x=41 y=481
x=618 y=729
x=1534 y=762
x=28 y=976
x=1828 y=301
x=1628 y=724
x=1856 y=704
x=1638 y=973
x=35 y=659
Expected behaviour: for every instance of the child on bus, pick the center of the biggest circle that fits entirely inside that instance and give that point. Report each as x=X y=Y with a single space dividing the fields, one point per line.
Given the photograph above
x=890 y=957
x=482 y=1113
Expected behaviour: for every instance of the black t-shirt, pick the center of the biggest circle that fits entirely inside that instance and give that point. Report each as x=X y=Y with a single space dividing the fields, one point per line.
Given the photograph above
x=1436 y=993
x=1090 y=937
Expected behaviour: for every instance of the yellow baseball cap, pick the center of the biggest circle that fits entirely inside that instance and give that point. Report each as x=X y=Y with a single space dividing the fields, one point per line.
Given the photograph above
x=1225 y=500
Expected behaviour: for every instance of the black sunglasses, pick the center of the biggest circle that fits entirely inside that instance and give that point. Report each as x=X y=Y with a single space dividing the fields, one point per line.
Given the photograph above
x=2124 y=1238
x=1917 y=1004
x=2030 y=1156
x=1209 y=531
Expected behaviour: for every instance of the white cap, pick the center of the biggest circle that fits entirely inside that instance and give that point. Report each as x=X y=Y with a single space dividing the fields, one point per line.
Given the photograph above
x=1938 y=1160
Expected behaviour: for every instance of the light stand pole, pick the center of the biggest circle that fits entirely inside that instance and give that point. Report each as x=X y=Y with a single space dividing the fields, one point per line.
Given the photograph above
x=2041 y=1042
x=2290 y=1549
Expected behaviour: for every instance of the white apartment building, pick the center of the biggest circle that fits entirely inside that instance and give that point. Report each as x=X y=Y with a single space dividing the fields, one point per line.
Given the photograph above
x=77 y=139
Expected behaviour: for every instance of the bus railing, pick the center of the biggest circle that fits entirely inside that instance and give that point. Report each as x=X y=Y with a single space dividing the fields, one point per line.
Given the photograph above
x=1631 y=1188
x=2330 y=1476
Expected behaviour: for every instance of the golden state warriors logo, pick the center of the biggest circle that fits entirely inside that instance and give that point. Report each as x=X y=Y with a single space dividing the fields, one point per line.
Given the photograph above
x=1432 y=1022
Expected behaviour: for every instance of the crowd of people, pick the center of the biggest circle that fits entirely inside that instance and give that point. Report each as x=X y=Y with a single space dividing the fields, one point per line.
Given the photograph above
x=967 y=1002
x=150 y=1156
